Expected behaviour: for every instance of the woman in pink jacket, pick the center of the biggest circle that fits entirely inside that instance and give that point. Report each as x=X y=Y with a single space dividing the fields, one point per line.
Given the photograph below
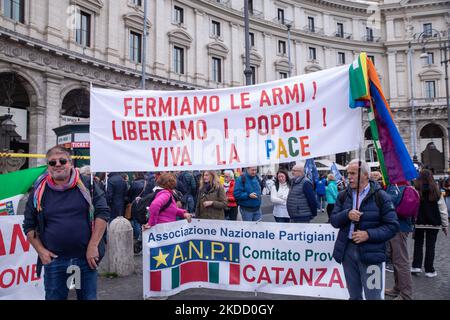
x=163 y=208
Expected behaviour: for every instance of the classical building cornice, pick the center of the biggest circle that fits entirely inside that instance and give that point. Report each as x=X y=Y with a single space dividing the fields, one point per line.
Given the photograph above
x=136 y=20
x=43 y=56
x=91 y=5
x=262 y=25
x=412 y=4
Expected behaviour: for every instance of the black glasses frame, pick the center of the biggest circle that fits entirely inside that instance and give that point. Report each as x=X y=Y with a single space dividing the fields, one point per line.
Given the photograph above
x=62 y=161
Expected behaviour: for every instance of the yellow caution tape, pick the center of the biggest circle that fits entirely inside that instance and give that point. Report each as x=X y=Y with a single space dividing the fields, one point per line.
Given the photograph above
x=36 y=156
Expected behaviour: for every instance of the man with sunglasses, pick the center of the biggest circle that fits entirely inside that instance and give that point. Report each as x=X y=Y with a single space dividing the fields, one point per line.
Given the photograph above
x=65 y=220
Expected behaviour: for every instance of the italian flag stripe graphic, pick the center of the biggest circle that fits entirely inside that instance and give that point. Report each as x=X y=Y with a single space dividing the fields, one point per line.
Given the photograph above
x=175 y=277
x=213 y=272
x=195 y=271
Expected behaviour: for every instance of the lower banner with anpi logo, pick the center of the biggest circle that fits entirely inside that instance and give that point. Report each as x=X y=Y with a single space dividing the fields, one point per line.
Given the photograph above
x=280 y=258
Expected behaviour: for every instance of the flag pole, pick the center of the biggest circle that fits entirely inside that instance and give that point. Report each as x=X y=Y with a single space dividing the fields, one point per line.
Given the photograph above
x=359 y=164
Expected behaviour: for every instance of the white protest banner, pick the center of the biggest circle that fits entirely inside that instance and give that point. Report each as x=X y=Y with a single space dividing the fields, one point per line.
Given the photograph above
x=280 y=258
x=18 y=276
x=286 y=120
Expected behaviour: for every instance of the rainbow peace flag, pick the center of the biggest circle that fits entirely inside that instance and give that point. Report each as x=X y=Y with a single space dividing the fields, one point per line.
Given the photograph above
x=365 y=91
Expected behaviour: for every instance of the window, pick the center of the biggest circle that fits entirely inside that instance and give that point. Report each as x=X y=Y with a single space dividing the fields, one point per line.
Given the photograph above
x=312 y=53
x=311 y=26
x=369 y=34
x=341 y=58
x=429 y=59
x=217 y=69
x=282 y=75
x=430 y=89
x=135 y=47
x=281 y=47
x=281 y=16
x=372 y=58
x=83 y=31
x=253 y=79
x=178 y=14
x=252 y=39
x=178 y=60
x=340 y=30
x=14 y=9
x=427 y=29
x=250 y=6
x=137 y=2
x=216 y=28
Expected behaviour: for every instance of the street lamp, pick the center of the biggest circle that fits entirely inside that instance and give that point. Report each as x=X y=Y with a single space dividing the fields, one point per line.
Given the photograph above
x=444 y=46
x=412 y=102
x=144 y=47
x=248 y=70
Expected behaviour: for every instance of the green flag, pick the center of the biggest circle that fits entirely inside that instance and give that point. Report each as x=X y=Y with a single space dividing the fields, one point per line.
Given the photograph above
x=14 y=185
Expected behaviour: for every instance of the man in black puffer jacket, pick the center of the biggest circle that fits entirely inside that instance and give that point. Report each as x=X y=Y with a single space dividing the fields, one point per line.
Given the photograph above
x=365 y=228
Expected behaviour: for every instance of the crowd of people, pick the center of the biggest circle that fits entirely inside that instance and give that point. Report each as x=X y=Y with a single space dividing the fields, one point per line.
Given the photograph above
x=66 y=216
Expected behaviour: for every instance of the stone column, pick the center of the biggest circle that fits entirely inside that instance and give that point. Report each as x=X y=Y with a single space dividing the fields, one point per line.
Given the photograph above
x=54 y=23
x=268 y=10
x=201 y=57
x=392 y=69
x=37 y=133
x=34 y=12
x=357 y=28
x=53 y=107
x=268 y=63
x=236 y=67
x=299 y=17
x=390 y=34
x=327 y=57
x=160 y=39
x=112 y=41
x=300 y=58
x=327 y=29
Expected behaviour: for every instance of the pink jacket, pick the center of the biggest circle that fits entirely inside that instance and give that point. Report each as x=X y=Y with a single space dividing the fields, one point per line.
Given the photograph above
x=168 y=215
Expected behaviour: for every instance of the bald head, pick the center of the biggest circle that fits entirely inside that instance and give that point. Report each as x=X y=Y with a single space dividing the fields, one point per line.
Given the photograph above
x=298 y=170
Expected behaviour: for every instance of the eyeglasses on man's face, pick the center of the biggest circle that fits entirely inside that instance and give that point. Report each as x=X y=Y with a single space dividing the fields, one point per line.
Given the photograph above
x=62 y=161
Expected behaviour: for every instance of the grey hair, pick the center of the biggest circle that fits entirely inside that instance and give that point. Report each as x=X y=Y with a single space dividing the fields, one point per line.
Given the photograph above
x=230 y=172
x=364 y=166
x=85 y=170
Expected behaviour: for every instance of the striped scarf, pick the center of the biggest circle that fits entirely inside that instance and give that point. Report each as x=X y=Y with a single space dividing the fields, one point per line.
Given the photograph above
x=75 y=181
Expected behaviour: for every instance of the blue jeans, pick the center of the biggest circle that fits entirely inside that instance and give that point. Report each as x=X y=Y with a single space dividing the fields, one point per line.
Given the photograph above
x=56 y=275
x=321 y=200
x=251 y=215
x=190 y=203
x=136 y=229
x=358 y=275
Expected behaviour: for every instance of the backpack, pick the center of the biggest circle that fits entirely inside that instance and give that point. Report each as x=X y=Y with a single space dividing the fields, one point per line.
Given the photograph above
x=139 y=209
x=183 y=185
x=406 y=200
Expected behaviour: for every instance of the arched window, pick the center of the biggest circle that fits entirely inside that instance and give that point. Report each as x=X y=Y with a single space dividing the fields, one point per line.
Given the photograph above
x=432 y=147
x=76 y=104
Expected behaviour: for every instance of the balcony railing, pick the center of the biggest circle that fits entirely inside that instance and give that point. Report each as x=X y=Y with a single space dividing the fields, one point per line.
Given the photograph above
x=282 y=21
x=369 y=38
x=316 y=30
x=431 y=100
x=343 y=35
x=226 y=3
x=254 y=13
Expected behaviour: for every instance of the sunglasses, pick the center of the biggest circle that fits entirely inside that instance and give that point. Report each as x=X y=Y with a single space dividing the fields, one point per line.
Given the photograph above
x=62 y=161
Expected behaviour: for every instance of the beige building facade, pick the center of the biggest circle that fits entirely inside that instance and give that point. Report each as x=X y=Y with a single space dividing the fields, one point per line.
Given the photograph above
x=51 y=51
